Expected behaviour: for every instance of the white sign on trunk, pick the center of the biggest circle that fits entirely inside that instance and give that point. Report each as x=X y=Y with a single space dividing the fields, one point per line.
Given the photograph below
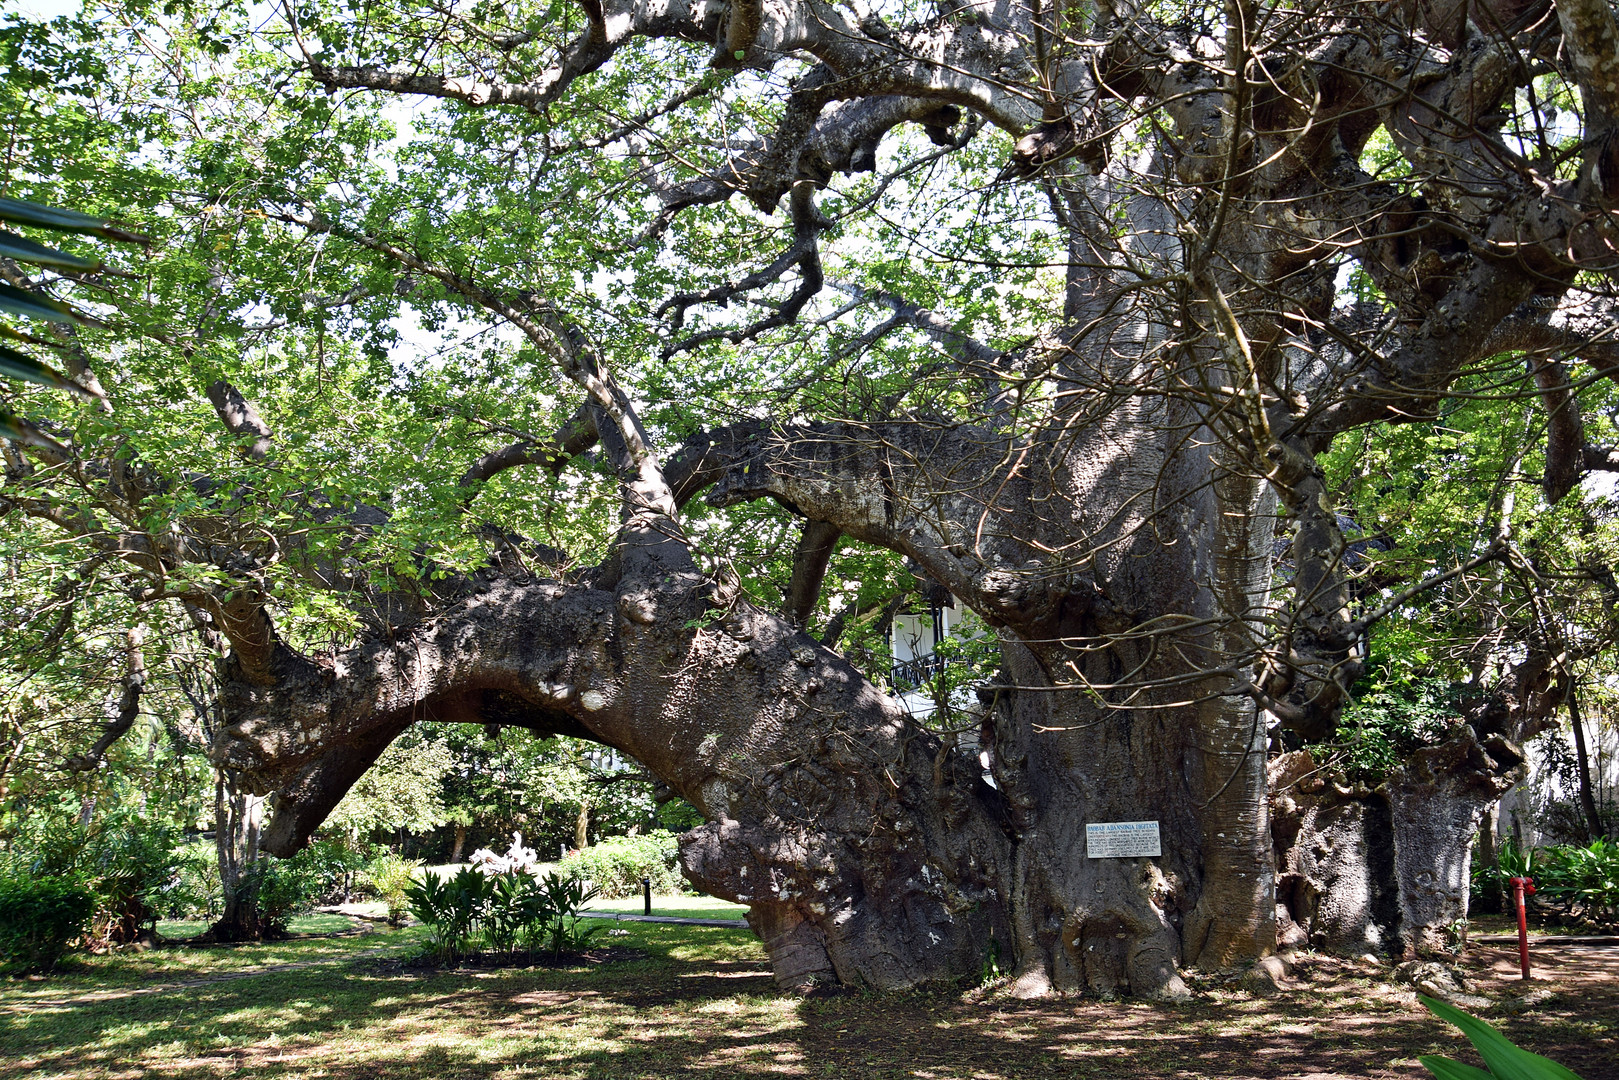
x=1122 y=840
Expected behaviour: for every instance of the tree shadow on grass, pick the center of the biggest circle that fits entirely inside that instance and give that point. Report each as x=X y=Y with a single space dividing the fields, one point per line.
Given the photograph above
x=687 y=1012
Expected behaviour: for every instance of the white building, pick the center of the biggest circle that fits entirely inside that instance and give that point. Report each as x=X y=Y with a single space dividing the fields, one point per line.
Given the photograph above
x=913 y=639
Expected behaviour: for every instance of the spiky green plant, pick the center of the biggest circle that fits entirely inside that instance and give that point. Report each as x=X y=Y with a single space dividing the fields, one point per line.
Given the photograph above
x=32 y=304
x=1503 y=1059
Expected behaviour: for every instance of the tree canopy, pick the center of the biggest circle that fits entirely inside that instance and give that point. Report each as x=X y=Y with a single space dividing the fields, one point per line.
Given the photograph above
x=609 y=371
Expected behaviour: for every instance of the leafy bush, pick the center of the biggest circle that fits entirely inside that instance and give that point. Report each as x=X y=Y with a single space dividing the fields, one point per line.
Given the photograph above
x=451 y=908
x=498 y=910
x=1586 y=876
x=1501 y=1056
x=389 y=876
x=1390 y=716
x=1488 y=884
x=126 y=860
x=38 y=918
x=196 y=891
x=564 y=897
x=617 y=865
x=288 y=887
x=330 y=864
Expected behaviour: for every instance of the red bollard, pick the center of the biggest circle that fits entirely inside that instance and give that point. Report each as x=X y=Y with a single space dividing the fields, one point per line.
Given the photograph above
x=1520 y=887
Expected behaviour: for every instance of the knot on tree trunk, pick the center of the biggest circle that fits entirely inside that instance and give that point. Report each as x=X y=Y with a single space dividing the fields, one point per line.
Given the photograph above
x=1058 y=140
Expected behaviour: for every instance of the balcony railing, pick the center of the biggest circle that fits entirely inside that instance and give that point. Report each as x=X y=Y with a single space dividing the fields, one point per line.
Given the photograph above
x=909 y=674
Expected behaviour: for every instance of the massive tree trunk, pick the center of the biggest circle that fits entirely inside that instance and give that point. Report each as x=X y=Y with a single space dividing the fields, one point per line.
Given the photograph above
x=1336 y=888
x=868 y=849
x=1108 y=502
x=1438 y=797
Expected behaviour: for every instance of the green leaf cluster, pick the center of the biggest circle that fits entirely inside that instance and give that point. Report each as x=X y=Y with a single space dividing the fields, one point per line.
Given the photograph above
x=1503 y=1059
x=39 y=917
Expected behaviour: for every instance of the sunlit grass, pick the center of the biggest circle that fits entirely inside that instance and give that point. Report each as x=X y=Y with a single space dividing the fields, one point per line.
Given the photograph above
x=131 y=969
x=681 y=905
x=318 y=923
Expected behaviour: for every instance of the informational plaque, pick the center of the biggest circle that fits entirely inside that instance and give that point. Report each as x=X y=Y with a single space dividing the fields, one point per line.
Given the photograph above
x=1122 y=840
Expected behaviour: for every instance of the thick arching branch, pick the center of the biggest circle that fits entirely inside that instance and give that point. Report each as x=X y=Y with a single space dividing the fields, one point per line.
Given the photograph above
x=609 y=26
x=241 y=418
x=804 y=254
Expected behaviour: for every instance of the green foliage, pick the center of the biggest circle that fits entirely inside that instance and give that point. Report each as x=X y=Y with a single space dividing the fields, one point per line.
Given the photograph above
x=288 y=887
x=450 y=908
x=617 y=864
x=962 y=661
x=1503 y=1059
x=33 y=304
x=39 y=917
x=1580 y=876
x=1587 y=876
x=126 y=859
x=284 y=888
x=472 y=908
x=510 y=781
x=389 y=877
x=560 y=925
x=678 y=815
x=1392 y=714
x=992 y=966
x=197 y=891
x=403 y=790
x=1488 y=884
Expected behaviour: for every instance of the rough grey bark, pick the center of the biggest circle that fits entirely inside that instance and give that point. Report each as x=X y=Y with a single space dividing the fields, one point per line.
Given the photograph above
x=1336 y=888
x=1385 y=869
x=1438 y=797
x=845 y=826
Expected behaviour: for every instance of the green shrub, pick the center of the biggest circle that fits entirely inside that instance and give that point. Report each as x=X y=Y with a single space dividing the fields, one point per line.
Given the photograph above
x=288 y=887
x=498 y=910
x=38 y=918
x=560 y=899
x=126 y=860
x=331 y=864
x=197 y=892
x=617 y=865
x=451 y=908
x=1587 y=876
x=388 y=876
x=1488 y=886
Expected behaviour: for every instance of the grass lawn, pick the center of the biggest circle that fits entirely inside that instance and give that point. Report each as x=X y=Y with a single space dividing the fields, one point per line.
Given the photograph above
x=184 y=929
x=701 y=1004
x=125 y=970
x=682 y=905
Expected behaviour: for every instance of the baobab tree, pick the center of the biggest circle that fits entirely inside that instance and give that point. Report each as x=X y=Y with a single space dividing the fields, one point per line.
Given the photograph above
x=1247 y=230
